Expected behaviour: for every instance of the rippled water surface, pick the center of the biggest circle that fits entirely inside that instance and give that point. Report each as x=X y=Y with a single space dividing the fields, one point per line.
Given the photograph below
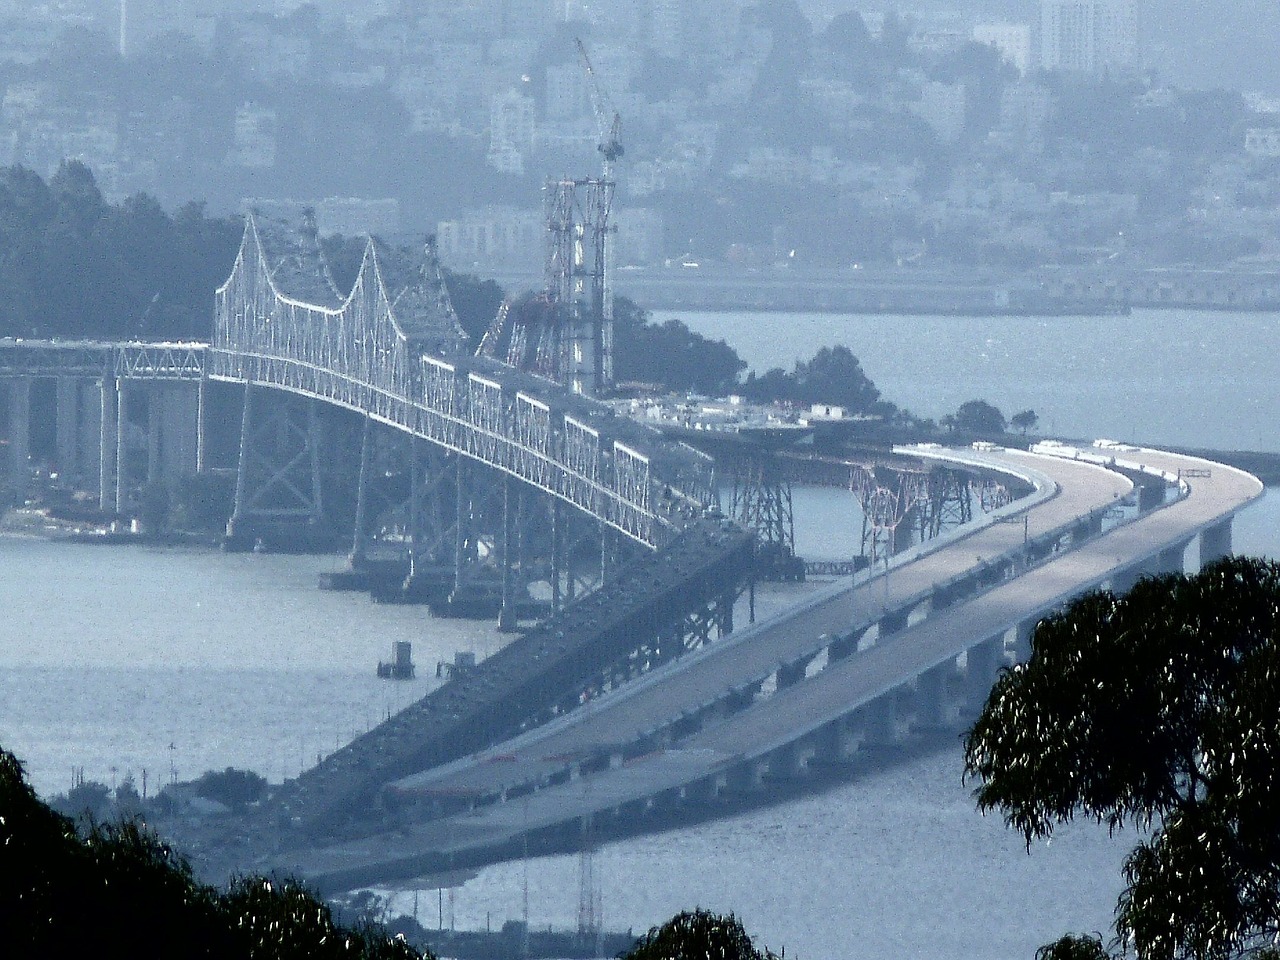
x=121 y=660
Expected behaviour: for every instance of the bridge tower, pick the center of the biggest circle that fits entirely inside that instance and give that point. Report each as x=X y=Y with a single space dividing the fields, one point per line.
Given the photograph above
x=761 y=501
x=577 y=268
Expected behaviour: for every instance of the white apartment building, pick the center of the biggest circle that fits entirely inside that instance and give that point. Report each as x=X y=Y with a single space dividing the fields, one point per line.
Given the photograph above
x=1013 y=40
x=1089 y=36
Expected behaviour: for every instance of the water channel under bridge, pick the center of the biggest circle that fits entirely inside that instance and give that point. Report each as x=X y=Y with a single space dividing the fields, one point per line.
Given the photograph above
x=623 y=702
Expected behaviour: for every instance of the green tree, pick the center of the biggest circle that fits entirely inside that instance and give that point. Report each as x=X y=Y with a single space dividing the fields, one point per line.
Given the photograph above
x=698 y=935
x=979 y=417
x=1073 y=947
x=120 y=889
x=231 y=786
x=1156 y=711
x=670 y=354
x=1024 y=420
x=833 y=375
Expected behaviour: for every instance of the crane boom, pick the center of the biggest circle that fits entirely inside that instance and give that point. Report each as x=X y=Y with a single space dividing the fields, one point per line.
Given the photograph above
x=608 y=129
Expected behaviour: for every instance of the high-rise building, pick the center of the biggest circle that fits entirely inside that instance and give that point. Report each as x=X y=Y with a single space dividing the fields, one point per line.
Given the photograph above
x=1013 y=40
x=1089 y=36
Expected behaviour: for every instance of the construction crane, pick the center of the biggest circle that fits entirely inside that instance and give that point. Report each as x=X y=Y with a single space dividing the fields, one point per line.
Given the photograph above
x=609 y=129
x=609 y=143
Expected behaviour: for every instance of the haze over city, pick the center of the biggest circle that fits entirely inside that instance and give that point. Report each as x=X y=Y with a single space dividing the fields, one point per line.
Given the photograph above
x=532 y=473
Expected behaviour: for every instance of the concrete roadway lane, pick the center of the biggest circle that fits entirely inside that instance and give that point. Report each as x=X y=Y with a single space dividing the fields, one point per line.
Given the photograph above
x=705 y=675
x=746 y=657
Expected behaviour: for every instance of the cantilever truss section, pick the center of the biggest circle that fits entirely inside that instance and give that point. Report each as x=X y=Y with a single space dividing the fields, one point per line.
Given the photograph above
x=278 y=323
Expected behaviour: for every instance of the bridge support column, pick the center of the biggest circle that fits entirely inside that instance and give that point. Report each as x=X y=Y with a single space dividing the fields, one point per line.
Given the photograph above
x=242 y=465
x=892 y=623
x=315 y=440
x=1022 y=635
x=1172 y=560
x=67 y=429
x=840 y=741
x=89 y=452
x=880 y=720
x=1215 y=542
x=982 y=665
x=156 y=412
x=123 y=391
x=202 y=412
x=507 y=612
x=462 y=532
x=934 y=706
x=557 y=548
x=107 y=427
x=18 y=479
x=360 y=537
x=179 y=431
x=724 y=614
x=1122 y=581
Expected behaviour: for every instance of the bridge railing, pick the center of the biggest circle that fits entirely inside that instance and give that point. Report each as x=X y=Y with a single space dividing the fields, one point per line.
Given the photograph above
x=356 y=355
x=610 y=481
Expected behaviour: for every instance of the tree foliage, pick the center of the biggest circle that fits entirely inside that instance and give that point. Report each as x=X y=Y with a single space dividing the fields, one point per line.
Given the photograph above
x=979 y=417
x=833 y=375
x=119 y=888
x=698 y=935
x=1157 y=711
x=72 y=265
x=231 y=786
x=1074 y=947
x=1024 y=420
x=670 y=355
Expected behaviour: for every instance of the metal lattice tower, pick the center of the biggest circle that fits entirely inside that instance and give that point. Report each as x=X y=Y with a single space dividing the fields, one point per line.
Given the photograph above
x=889 y=500
x=577 y=344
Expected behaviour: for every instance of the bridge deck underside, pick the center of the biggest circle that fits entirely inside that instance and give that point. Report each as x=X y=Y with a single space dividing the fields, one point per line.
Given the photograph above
x=806 y=709
x=529 y=679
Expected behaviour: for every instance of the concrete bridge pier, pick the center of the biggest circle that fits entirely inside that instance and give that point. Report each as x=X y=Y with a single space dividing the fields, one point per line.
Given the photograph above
x=510 y=507
x=1020 y=648
x=881 y=720
x=892 y=622
x=108 y=402
x=67 y=428
x=18 y=479
x=123 y=397
x=89 y=433
x=936 y=708
x=982 y=666
x=1122 y=581
x=1172 y=560
x=174 y=427
x=1215 y=542
x=839 y=741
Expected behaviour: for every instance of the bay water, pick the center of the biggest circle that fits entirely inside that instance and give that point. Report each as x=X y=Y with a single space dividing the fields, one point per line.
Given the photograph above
x=120 y=660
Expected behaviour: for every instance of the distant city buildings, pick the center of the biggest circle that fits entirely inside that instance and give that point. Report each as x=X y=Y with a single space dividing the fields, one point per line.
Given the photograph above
x=1089 y=36
x=253 y=143
x=1013 y=40
x=1262 y=142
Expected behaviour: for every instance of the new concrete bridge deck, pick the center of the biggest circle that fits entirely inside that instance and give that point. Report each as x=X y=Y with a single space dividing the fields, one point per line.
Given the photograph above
x=815 y=681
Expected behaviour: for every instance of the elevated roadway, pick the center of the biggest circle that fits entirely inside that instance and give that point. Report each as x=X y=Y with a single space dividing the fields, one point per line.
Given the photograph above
x=816 y=680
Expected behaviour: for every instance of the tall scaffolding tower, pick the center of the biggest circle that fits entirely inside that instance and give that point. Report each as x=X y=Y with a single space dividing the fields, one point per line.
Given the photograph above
x=577 y=347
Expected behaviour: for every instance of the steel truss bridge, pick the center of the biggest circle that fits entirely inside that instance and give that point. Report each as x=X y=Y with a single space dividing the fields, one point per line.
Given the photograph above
x=484 y=478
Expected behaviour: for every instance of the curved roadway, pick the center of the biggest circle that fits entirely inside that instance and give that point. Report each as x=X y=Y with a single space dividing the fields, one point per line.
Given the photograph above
x=1068 y=490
